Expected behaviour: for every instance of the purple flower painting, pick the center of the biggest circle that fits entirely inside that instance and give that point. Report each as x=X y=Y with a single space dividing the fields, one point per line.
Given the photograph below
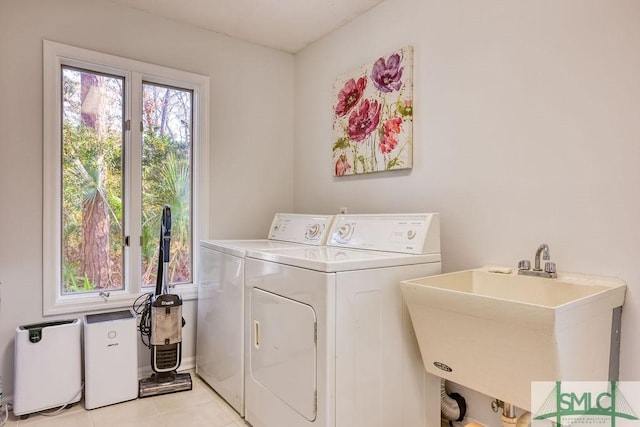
x=373 y=116
x=387 y=74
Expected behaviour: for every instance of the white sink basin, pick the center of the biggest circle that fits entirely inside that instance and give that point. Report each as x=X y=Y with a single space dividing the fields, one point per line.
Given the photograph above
x=496 y=332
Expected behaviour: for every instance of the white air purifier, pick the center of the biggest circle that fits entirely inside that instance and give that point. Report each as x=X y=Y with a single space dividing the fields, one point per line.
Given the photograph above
x=48 y=366
x=110 y=358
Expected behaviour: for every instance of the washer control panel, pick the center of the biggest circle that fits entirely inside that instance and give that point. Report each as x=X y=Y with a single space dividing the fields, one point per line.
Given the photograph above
x=301 y=228
x=405 y=233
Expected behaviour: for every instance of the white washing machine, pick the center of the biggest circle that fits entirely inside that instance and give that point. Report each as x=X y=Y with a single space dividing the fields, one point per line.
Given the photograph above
x=219 y=342
x=329 y=341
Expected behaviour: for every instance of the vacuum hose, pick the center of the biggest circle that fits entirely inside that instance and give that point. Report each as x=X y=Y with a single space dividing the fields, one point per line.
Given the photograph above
x=452 y=406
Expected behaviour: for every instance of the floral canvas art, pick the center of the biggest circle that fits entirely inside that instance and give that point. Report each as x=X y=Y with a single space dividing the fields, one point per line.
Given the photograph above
x=373 y=116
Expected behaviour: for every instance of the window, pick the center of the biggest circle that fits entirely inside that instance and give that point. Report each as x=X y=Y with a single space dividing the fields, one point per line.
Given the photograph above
x=122 y=139
x=92 y=171
x=166 y=178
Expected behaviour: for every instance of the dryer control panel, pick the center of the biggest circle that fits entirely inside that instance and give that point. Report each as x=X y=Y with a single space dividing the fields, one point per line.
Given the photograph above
x=301 y=228
x=405 y=233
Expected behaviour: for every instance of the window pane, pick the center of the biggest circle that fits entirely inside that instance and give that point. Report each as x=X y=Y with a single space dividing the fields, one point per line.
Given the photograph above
x=166 y=179
x=92 y=139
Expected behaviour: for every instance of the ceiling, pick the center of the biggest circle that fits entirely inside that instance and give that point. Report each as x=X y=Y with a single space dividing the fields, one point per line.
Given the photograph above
x=287 y=25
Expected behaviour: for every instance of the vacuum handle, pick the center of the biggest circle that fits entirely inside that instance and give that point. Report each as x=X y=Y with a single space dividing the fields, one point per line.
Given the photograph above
x=163 y=251
x=166 y=233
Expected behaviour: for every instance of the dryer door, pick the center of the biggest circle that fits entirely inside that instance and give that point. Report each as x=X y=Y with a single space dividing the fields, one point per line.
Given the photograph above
x=283 y=350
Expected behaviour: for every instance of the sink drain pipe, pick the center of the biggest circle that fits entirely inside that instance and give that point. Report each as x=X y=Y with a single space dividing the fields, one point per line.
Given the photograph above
x=453 y=407
x=509 y=418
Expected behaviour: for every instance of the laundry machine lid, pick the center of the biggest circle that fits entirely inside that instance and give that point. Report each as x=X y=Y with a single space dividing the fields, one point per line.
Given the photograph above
x=331 y=259
x=366 y=241
x=286 y=230
x=239 y=247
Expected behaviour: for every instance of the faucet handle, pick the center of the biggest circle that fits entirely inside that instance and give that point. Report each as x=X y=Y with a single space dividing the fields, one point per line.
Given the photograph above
x=550 y=267
x=525 y=264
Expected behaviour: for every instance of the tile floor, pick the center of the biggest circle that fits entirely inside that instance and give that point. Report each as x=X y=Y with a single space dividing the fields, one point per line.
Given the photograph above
x=198 y=407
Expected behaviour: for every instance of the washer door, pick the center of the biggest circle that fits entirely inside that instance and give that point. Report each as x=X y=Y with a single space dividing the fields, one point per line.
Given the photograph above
x=283 y=350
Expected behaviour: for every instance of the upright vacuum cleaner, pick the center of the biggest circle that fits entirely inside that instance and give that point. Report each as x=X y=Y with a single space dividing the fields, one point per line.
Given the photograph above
x=161 y=321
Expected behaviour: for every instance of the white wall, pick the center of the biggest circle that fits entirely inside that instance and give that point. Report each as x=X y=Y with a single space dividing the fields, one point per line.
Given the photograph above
x=527 y=130
x=251 y=139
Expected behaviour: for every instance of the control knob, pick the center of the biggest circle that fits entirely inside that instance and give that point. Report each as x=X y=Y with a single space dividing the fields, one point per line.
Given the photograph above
x=344 y=232
x=312 y=231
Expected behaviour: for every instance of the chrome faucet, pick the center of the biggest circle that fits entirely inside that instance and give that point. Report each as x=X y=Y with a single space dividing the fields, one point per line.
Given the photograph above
x=544 y=250
x=524 y=266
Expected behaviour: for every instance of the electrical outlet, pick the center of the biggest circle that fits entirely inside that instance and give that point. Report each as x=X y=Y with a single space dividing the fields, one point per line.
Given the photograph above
x=343 y=210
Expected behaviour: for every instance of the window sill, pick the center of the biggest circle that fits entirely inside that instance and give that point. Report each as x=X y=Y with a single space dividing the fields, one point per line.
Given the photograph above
x=82 y=304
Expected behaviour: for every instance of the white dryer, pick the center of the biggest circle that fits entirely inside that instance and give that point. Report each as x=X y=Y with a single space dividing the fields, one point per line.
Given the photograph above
x=219 y=333
x=329 y=341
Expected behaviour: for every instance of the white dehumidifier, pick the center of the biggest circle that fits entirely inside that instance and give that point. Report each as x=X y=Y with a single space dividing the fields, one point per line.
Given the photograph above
x=48 y=366
x=110 y=358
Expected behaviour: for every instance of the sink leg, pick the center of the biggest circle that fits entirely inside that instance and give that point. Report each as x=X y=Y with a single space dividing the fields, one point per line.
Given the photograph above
x=614 y=353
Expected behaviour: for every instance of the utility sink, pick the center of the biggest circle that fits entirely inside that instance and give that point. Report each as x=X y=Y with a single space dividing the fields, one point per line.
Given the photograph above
x=495 y=331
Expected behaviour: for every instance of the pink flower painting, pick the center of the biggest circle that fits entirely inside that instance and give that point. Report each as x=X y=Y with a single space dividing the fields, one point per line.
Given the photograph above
x=349 y=95
x=342 y=166
x=373 y=116
x=364 y=120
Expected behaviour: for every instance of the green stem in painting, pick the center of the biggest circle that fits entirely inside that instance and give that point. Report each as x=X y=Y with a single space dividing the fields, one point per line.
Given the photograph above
x=374 y=159
x=355 y=158
x=394 y=160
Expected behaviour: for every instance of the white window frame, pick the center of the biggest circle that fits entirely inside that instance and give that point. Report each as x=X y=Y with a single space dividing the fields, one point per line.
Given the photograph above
x=55 y=55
